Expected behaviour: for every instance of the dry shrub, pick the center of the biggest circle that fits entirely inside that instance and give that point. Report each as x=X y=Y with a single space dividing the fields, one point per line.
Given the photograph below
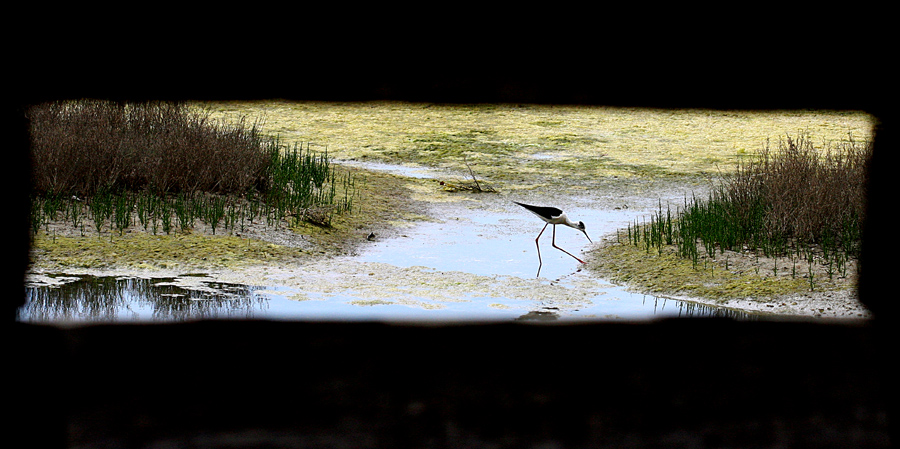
x=80 y=147
x=807 y=194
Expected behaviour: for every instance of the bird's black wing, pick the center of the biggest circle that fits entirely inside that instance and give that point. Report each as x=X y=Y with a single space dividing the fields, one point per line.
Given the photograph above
x=543 y=211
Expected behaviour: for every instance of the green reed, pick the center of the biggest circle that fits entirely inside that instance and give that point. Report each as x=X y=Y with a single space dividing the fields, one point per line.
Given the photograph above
x=101 y=207
x=214 y=211
x=182 y=205
x=301 y=180
x=123 y=206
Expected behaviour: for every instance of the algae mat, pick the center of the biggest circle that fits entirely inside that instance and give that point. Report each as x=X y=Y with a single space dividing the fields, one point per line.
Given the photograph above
x=523 y=146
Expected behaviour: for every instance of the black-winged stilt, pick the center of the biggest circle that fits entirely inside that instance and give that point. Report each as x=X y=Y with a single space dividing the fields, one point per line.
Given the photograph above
x=553 y=216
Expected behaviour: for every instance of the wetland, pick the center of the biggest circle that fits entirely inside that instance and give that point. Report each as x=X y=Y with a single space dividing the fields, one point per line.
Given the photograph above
x=417 y=246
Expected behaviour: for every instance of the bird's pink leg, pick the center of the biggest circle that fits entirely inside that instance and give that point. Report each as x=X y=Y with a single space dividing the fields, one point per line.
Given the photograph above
x=540 y=263
x=554 y=245
x=539 y=246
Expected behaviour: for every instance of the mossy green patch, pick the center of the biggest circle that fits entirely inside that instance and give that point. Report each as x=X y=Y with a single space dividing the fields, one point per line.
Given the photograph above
x=664 y=272
x=148 y=251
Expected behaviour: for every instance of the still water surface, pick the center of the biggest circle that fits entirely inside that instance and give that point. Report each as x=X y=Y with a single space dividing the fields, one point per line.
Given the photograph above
x=89 y=299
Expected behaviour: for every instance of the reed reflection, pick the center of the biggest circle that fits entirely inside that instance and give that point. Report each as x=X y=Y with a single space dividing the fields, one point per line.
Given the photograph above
x=688 y=309
x=111 y=299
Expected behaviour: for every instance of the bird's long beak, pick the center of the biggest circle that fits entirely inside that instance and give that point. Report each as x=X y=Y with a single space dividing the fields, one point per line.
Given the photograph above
x=588 y=237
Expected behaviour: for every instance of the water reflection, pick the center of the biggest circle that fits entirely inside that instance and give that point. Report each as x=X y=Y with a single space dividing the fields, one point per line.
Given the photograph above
x=110 y=299
x=686 y=309
x=93 y=299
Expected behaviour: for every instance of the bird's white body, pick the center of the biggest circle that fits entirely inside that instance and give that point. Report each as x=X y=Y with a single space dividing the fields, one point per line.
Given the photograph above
x=560 y=219
x=553 y=216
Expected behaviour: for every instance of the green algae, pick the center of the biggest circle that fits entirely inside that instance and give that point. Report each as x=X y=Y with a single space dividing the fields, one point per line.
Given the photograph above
x=146 y=251
x=503 y=138
x=663 y=272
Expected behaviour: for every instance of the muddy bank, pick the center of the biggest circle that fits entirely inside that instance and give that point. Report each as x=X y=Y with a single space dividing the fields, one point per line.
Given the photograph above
x=733 y=280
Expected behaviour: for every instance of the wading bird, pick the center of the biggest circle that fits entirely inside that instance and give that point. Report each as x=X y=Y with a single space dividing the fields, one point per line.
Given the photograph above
x=553 y=216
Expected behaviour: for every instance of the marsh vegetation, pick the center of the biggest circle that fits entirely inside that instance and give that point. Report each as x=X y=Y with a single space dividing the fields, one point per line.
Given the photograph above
x=163 y=168
x=792 y=203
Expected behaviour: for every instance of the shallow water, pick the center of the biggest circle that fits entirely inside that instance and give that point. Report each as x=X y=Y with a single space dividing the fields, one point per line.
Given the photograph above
x=476 y=260
x=89 y=299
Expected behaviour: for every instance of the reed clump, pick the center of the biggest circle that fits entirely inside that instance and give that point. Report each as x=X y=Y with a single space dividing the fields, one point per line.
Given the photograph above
x=793 y=202
x=164 y=167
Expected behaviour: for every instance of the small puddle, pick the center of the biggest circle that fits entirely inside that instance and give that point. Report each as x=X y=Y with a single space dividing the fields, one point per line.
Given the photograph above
x=410 y=171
